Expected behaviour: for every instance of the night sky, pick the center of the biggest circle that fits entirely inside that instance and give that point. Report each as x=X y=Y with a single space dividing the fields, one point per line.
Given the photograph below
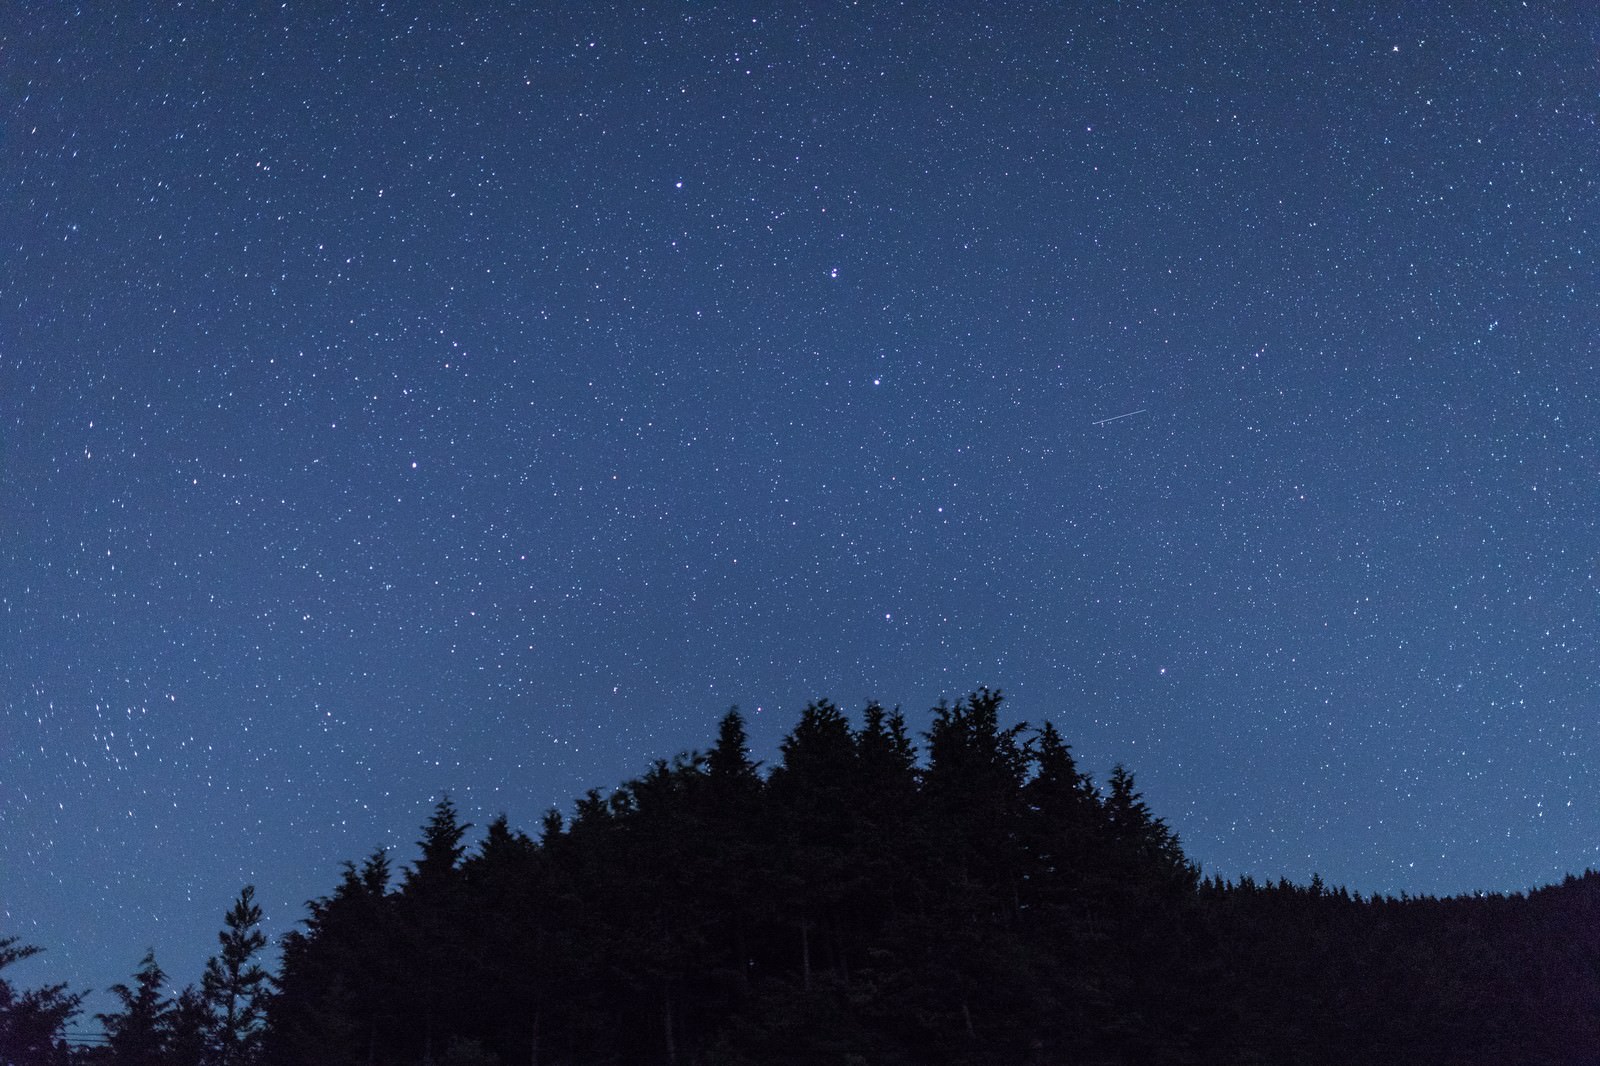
x=395 y=402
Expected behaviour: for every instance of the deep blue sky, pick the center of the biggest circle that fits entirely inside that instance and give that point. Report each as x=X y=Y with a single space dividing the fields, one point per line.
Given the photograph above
x=394 y=402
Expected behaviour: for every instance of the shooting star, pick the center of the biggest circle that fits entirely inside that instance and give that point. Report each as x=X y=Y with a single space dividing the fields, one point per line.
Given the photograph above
x=1119 y=418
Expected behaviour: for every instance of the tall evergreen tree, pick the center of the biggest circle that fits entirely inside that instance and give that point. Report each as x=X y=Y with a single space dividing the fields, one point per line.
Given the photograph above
x=1144 y=900
x=442 y=849
x=813 y=799
x=886 y=752
x=508 y=939
x=236 y=986
x=965 y=942
x=884 y=844
x=730 y=821
x=1142 y=840
x=137 y=1033
x=1065 y=818
x=188 y=1026
x=973 y=784
x=733 y=778
x=336 y=983
x=667 y=938
x=1064 y=839
x=432 y=917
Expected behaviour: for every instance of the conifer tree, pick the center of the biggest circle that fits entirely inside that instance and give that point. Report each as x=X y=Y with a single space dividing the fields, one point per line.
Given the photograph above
x=188 y=1026
x=441 y=851
x=1141 y=838
x=729 y=853
x=137 y=1034
x=732 y=776
x=235 y=985
x=886 y=785
x=885 y=796
x=885 y=749
x=1064 y=840
x=1065 y=824
x=965 y=943
x=813 y=799
x=551 y=827
x=336 y=983
x=507 y=937
x=973 y=785
x=433 y=916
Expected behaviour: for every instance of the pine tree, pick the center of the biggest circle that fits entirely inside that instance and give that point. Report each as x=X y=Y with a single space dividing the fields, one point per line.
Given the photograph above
x=1065 y=824
x=506 y=939
x=1064 y=840
x=1143 y=841
x=137 y=1034
x=1158 y=984
x=432 y=917
x=667 y=937
x=335 y=998
x=235 y=985
x=886 y=753
x=882 y=849
x=441 y=851
x=188 y=1027
x=971 y=815
x=813 y=799
x=732 y=827
x=733 y=778
x=973 y=786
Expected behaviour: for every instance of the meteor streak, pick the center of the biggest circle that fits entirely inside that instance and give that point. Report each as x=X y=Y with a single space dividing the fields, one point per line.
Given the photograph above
x=1118 y=418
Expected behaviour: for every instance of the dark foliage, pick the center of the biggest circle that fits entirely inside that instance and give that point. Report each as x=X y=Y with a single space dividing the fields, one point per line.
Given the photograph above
x=235 y=986
x=989 y=905
x=137 y=1034
x=32 y=1022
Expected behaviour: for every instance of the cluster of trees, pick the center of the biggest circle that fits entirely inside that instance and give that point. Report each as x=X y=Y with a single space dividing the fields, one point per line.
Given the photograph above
x=849 y=903
x=982 y=902
x=221 y=1023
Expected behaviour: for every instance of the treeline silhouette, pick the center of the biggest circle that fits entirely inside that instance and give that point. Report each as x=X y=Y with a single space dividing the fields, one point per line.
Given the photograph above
x=982 y=902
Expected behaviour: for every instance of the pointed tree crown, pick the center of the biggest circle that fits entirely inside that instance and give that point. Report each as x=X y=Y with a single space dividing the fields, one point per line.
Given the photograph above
x=441 y=846
x=234 y=984
x=729 y=762
x=821 y=749
x=137 y=1032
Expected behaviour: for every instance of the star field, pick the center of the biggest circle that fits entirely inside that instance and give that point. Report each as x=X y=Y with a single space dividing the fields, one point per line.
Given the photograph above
x=396 y=401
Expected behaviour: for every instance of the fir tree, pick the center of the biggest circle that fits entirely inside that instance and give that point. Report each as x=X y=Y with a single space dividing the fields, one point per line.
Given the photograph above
x=188 y=1027
x=335 y=999
x=733 y=778
x=813 y=799
x=137 y=1034
x=732 y=827
x=442 y=850
x=432 y=915
x=235 y=985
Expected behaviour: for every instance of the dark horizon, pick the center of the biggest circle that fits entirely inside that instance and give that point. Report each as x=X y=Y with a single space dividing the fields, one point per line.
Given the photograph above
x=984 y=905
x=474 y=837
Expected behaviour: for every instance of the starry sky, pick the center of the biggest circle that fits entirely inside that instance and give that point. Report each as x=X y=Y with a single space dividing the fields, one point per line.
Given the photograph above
x=396 y=401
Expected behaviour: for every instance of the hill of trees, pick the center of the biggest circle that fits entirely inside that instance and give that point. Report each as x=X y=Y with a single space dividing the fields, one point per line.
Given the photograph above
x=982 y=902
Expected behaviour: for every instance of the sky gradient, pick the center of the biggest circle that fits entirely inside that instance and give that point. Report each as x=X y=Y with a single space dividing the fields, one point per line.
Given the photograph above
x=395 y=402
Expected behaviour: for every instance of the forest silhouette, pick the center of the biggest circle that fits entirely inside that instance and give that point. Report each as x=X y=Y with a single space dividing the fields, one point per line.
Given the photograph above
x=975 y=899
